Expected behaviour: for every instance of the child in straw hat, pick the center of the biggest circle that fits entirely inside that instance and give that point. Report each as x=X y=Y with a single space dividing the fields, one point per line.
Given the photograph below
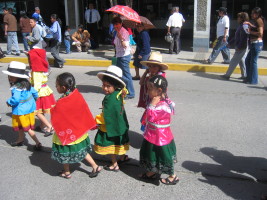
x=112 y=137
x=155 y=67
x=22 y=103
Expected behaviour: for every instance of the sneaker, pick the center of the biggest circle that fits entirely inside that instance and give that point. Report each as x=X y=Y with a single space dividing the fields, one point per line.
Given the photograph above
x=128 y=97
x=226 y=63
x=17 y=54
x=136 y=78
x=207 y=62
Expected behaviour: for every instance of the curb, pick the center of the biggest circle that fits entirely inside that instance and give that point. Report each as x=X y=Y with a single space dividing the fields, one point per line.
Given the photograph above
x=172 y=66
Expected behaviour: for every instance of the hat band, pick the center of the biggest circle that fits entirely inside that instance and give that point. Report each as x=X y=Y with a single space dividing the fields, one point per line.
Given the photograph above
x=16 y=71
x=155 y=61
x=111 y=73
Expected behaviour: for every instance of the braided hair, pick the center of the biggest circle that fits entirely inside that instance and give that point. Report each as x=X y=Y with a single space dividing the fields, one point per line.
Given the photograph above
x=67 y=80
x=159 y=82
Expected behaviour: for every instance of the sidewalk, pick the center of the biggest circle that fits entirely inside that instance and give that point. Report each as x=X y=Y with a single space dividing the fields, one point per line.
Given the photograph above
x=185 y=61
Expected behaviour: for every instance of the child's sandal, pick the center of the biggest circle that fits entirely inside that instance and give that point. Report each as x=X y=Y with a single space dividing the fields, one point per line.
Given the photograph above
x=94 y=174
x=169 y=182
x=64 y=175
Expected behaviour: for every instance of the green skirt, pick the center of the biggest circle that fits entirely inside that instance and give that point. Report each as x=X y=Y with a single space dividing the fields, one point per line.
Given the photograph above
x=158 y=159
x=71 y=153
x=105 y=145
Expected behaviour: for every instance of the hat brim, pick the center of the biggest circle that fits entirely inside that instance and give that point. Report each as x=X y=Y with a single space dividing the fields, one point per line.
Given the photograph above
x=15 y=75
x=162 y=65
x=101 y=74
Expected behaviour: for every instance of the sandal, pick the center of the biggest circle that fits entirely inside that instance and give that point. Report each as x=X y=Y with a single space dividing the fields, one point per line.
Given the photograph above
x=151 y=177
x=48 y=133
x=64 y=175
x=168 y=182
x=113 y=170
x=38 y=147
x=124 y=160
x=94 y=174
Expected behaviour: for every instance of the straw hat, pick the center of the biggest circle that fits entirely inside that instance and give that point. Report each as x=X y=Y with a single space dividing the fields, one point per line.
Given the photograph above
x=155 y=58
x=16 y=69
x=113 y=72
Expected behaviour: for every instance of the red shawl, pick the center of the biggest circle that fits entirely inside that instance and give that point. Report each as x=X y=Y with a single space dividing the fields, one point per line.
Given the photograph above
x=71 y=118
x=37 y=60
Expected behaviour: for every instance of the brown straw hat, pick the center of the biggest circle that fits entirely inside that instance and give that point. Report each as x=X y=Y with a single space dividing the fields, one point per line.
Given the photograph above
x=156 y=59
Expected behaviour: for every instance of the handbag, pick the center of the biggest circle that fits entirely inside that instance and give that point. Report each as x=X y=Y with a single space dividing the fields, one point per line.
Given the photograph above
x=168 y=38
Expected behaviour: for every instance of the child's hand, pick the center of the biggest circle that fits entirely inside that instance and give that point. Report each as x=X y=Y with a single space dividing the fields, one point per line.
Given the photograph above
x=155 y=100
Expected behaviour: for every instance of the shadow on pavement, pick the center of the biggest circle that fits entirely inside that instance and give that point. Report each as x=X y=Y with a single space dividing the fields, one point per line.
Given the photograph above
x=7 y=134
x=94 y=73
x=136 y=139
x=89 y=88
x=133 y=170
x=237 y=176
x=257 y=87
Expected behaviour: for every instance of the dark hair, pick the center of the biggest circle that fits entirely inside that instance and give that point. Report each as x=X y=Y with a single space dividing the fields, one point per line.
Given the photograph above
x=116 y=84
x=5 y=8
x=258 y=11
x=23 y=14
x=55 y=16
x=159 y=82
x=80 y=26
x=116 y=20
x=34 y=19
x=23 y=83
x=243 y=16
x=67 y=27
x=67 y=80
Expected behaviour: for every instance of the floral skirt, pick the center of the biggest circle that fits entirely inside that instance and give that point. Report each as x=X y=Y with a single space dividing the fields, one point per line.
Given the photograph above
x=23 y=122
x=68 y=154
x=105 y=145
x=44 y=104
x=158 y=159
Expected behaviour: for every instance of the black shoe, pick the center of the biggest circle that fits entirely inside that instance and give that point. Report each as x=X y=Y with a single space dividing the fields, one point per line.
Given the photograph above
x=17 y=144
x=225 y=77
x=38 y=147
x=17 y=54
x=60 y=66
x=226 y=63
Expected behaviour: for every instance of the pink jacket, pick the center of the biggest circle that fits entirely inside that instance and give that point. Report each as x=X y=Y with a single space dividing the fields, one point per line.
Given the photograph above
x=157 y=119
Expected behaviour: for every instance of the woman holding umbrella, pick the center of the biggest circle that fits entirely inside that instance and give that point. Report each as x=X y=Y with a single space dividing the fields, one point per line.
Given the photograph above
x=123 y=54
x=142 y=49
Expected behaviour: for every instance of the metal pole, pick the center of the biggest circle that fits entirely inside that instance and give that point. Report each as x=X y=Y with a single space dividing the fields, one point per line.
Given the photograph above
x=66 y=12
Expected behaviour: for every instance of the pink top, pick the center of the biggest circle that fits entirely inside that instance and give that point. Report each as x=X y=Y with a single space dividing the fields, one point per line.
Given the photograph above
x=157 y=119
x=120 y=50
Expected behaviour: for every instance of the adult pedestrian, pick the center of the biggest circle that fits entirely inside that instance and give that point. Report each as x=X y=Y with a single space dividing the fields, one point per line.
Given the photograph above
x=82 y=39
x=223 y=27
x=92 y=17
x=241 y=44
x=25 y=28
x=174 y=24
x=55 y=43
x=256 y=44
x=34 y=39
x=10 y=23
x=123 y=54
x=37 y=15
x=142 y=49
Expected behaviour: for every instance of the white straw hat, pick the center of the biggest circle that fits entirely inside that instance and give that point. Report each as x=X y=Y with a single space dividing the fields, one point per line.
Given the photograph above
x=155 y=58
x=113 y=72
x=16 y=69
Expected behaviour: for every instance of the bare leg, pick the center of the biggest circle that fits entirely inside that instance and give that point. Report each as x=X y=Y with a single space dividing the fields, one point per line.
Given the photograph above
x=44 y=122
x=66 y=169
x=21 y=136
x=91 y=161
x=114 y=164
x=33 y=136
x=137 y=72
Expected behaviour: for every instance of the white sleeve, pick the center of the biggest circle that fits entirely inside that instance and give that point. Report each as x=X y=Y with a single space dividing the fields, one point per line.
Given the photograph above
x=226 y=22
x=169 y=22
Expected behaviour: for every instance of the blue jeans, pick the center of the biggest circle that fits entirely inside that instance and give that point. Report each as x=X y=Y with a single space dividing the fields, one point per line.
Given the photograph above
x=25 y=42
x=252 y=62
x=67 y=45
x=12 y=39
x=220 y=47
x=123 y=63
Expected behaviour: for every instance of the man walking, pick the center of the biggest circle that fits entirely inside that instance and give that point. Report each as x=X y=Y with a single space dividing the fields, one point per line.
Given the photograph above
x=10 y=22
x=92 y=17
x=223 y=26
x=174 y=24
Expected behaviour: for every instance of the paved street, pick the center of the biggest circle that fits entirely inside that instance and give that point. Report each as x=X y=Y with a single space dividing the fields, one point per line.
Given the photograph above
x=220 y=133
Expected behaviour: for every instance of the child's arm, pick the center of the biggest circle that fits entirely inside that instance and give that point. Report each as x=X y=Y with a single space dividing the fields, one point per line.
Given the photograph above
x=143 y=78
x=15 y=99
x=34 y=93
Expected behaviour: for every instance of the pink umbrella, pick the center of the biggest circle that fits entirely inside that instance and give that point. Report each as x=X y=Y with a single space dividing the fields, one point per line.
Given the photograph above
x=126 y=11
